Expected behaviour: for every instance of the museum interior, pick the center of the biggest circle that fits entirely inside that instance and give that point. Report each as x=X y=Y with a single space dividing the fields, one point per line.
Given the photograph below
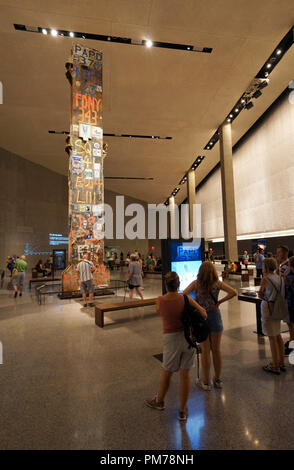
x=139 y=139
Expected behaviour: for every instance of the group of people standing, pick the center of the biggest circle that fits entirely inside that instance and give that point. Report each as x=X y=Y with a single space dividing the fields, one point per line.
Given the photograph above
x=177 y=356
x=278 y=279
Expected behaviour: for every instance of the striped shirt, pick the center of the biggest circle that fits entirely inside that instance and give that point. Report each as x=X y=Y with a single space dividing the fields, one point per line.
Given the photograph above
x=84 y=269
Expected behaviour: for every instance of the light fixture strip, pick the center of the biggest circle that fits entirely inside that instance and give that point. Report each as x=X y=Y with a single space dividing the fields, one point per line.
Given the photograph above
x=196 y=163
x=116 y=39
x=267 y=68
x=134 y=136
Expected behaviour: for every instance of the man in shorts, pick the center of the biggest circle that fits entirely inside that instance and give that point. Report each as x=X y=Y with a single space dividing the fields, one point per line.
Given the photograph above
x=85 y=269
x=18 y=281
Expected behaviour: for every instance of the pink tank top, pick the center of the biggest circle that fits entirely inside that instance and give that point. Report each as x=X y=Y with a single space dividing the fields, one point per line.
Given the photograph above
x=171 y=312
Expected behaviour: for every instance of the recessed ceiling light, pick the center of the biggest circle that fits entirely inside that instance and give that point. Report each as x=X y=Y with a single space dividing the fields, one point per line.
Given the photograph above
x=188 y=48
x=149 y=43
x=71 y=34
x=266 y=74
x=242 y=100
x=53 y=32
x=279 y=52
x=231 y=115
x=44 y=31
x=229 y=120
x=236 y=110
x=268 y=66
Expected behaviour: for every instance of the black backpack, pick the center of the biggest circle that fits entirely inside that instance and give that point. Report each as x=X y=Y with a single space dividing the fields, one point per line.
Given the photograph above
x=196 y=327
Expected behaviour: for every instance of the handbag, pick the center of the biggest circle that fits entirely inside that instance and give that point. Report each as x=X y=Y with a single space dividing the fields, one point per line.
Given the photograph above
x=14 y=273
x=278 y=309
x=196 y=327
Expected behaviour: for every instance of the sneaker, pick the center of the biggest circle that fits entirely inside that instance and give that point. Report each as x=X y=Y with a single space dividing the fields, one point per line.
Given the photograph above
x=183 y=415
x=218 y=383
x=15 y=295
x=205 y=387
x=157 y=405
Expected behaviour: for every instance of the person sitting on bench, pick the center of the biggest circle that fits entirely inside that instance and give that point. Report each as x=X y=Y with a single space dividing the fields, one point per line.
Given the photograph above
x=40 y=269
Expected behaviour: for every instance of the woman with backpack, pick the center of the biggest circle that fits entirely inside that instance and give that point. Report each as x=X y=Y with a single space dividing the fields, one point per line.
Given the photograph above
x=207 y=288
x=176 y=352
x=272 y=284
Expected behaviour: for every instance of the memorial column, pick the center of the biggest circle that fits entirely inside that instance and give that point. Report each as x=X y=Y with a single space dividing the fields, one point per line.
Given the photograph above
x=228 y=192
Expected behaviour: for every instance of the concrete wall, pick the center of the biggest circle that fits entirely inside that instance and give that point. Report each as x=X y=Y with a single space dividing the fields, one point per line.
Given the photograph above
x=263 y=179
x=33 y=203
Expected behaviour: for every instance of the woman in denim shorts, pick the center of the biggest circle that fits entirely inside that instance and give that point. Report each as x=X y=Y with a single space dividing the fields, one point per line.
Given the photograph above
x=207 y=288
x=176 y=352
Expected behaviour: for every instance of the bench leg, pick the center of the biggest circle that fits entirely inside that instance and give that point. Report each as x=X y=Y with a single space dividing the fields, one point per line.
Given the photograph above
x=99 y=317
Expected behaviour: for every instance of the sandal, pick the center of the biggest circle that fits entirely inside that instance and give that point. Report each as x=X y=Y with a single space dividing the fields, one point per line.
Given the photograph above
x=271 y=369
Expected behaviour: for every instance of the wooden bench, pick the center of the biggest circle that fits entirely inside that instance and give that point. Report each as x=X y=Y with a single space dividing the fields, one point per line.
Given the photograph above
x=42 y=280
x=101 y=309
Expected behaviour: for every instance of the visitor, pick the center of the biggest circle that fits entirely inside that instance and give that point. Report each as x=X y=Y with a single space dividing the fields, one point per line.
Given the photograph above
x=283 y=270
x=258 y=259
x=210 y=255
x=18 y=281
x=245 y=258
x=10 y=263
x=176 y=352
x=158 y=267
x=85 y=269
x=121 y=256
x=229 y=268
x=289 y=284
x=282 y=260
x=207 y=288
x=270 y=283
x=149 y=264
x=139 y=258
x=134 y=279
x=39 y=268
x=48 y=267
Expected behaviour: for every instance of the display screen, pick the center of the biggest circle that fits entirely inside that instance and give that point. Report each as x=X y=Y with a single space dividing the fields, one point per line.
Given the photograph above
x=186 y=261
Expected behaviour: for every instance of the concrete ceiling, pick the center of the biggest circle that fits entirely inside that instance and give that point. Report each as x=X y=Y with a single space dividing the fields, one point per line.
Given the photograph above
x=153 y=91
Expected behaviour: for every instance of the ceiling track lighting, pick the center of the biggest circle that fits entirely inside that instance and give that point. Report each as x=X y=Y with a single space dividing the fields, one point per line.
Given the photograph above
x=259 y=82
x=257 y=94
x=133 y=136
x=249 y=105
x=196 y=163
x=121 y=40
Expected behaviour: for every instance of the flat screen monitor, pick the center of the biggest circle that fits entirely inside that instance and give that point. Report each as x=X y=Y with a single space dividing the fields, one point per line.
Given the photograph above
x=184 y=257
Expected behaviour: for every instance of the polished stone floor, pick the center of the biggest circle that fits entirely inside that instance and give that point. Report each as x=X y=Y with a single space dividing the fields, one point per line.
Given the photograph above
x=67 y=384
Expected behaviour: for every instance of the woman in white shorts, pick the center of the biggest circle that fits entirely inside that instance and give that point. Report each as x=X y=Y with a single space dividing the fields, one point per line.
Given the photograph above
x=176 y=352
x=271 y=327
